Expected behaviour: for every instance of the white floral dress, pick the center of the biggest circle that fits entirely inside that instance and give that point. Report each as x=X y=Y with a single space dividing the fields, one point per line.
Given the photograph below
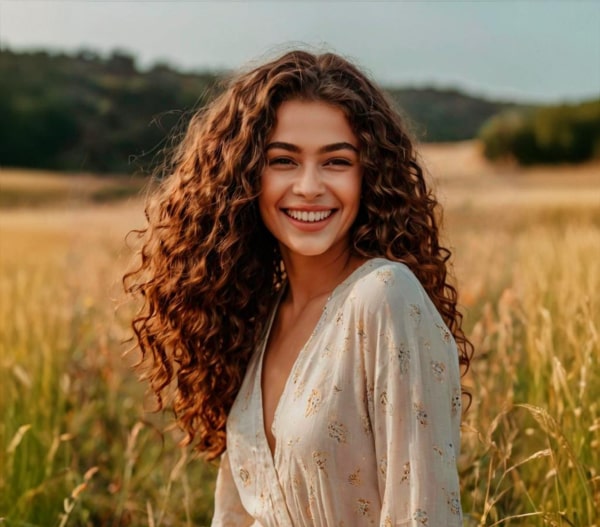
x=367 y=427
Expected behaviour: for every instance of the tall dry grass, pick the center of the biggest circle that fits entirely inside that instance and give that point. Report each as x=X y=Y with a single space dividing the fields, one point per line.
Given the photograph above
x=531 y=438
x=78 y=449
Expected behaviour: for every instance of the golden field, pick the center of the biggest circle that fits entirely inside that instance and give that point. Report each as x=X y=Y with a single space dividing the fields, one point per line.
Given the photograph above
x=78 y=446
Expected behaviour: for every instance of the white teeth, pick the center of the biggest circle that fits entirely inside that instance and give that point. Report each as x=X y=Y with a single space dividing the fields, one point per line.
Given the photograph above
x=309 y=216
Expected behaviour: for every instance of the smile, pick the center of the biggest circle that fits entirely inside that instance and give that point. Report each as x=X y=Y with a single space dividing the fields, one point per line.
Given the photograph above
x=309 y=217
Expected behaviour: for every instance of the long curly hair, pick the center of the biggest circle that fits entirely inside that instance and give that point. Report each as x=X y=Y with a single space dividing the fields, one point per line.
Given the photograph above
x=208 y=268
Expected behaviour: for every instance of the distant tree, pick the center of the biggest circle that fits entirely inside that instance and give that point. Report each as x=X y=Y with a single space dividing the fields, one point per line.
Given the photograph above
x=121 y=63
x=552 y=134
x=87 y=55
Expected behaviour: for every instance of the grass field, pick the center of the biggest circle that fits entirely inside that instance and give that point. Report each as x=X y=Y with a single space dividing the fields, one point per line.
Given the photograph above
x=78 y=448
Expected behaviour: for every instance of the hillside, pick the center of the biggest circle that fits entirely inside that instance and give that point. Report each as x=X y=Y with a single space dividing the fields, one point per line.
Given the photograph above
x=85 y=112
x=445 y=115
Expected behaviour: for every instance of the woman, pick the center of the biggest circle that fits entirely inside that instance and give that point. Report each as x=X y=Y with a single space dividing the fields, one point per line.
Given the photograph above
x=295 y=293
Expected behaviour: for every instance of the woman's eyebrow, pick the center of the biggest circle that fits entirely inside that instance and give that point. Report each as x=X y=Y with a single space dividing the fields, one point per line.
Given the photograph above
x=338 y=146
x=283 y=146
x=323 y=150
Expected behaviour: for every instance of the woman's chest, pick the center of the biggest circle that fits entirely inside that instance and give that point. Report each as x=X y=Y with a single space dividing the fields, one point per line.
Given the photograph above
x=289 y=337
x=325 y=398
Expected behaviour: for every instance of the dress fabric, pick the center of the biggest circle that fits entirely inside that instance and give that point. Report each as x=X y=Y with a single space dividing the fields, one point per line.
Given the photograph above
x=367 y=426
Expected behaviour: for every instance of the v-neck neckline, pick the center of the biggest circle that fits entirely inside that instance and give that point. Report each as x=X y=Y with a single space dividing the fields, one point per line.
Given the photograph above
x=301 y=355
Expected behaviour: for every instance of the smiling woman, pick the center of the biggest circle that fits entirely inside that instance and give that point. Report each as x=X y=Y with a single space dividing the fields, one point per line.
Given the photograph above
x=296 y=293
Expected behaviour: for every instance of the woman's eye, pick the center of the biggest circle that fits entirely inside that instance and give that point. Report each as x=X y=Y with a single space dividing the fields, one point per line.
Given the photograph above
x=339 y=162
x=281 y=161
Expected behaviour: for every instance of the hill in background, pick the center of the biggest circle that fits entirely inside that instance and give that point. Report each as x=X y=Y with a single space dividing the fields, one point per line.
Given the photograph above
x=445 y=115
x=86 y=112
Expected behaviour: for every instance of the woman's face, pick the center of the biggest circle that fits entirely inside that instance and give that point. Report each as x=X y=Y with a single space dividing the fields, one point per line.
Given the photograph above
x=310 y=186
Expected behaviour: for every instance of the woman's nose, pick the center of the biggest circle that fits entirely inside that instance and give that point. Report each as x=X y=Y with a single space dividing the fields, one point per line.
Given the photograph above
x=309 y=183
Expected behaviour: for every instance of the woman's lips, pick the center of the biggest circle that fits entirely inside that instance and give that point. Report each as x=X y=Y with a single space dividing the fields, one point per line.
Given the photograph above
x=309 y=220
x=309 y=216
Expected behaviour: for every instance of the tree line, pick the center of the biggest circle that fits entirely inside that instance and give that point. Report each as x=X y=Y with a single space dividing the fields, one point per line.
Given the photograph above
x=87 y=112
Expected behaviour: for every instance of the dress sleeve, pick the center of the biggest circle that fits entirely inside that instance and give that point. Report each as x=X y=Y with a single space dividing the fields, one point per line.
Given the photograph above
x=229 y=511
x=414 y=397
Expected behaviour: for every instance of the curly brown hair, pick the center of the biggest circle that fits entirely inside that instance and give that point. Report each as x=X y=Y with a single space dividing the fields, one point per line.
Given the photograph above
x=209 y=269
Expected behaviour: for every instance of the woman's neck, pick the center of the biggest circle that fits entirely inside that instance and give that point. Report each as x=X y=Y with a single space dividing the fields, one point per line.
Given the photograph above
x=312 y=277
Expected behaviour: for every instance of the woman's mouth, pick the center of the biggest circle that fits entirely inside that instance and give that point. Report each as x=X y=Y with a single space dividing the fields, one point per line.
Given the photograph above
x=312 y=216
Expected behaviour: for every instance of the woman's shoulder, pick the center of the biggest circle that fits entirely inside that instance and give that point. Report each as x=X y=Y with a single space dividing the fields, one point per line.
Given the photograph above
x=380 y=281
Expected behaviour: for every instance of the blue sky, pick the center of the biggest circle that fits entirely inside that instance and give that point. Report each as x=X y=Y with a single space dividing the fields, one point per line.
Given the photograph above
x=536 y=50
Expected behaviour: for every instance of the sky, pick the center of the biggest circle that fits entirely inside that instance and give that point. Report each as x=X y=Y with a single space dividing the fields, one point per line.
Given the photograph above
x=525 y=50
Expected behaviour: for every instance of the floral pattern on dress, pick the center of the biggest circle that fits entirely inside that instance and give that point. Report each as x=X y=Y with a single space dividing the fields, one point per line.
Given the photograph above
x=354 y=478
x=313 y=403
x=421 y=517
x=438 y=369
x=406 y=472
x=337 y=431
